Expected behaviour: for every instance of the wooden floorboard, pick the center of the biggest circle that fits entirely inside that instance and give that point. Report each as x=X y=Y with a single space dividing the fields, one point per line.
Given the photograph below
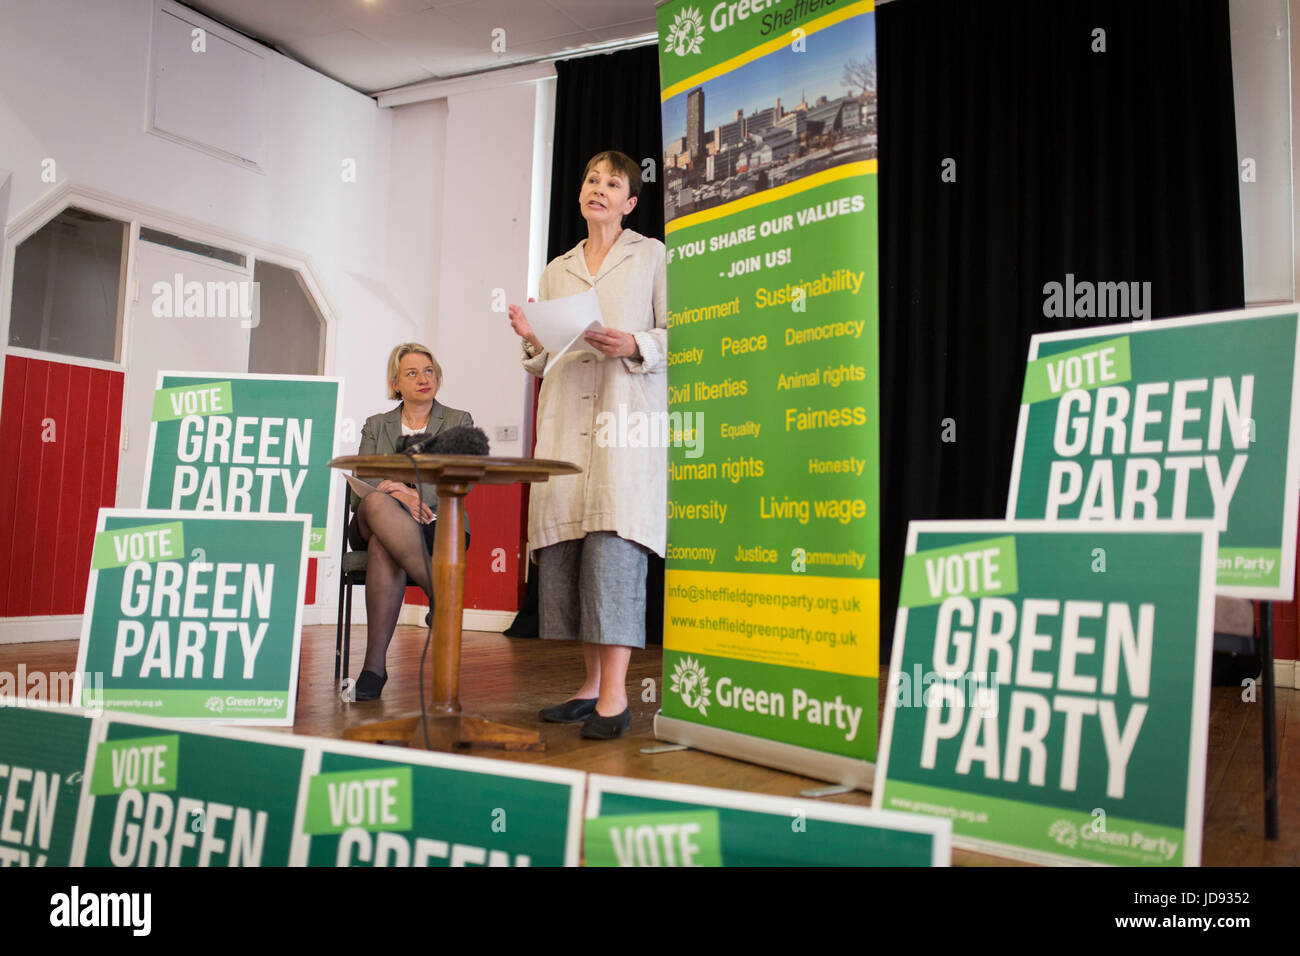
x=511 y=679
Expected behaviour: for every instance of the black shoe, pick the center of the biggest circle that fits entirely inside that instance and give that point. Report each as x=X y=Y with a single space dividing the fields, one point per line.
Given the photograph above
x=597 y=727
x=570 y=712
x=428 y=618
x=369 y=686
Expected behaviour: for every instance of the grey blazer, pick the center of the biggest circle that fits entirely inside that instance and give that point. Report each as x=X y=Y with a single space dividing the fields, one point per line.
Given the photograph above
x=380 y=433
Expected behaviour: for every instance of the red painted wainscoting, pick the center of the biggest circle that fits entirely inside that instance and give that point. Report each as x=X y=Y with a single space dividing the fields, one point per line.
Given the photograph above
x=51 y=491
x=496 y=520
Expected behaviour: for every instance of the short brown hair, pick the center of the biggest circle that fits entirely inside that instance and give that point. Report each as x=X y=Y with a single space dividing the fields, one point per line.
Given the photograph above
x=620 y=163
x=395 y=362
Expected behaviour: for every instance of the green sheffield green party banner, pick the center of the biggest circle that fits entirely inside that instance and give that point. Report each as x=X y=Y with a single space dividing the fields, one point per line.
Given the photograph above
x=246 y=444
x=1049 y=688
x=772 y=576
x=42 y=759
x=640 y=823
x=1179 y=418
x=194 y=616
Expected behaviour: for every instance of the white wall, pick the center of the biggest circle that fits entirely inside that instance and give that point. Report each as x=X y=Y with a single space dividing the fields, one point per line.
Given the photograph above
x=491 y=225
x=73 y=87
x=1261 y=55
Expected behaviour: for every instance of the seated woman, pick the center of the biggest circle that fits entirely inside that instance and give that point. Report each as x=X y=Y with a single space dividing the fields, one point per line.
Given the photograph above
x=396 y=528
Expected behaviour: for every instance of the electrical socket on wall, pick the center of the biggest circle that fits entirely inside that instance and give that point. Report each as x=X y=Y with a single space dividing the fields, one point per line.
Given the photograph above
x=507 y=433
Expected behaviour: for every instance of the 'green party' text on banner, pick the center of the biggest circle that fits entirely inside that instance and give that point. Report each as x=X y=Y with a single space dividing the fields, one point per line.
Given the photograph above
x=194 y=616
x=1050 y=687
x=640 y=823
x=772 y=582
x=42 y=758
x=1180 y=418
x=245 y=444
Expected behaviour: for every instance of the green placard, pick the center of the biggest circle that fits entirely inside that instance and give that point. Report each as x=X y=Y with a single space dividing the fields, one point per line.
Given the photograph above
x=42 y=762
x=643 y=823
x=1067 y=720
x=653 y=839
x=247 y=444
x=772 y=574
x=210 y=631
x=1180 y=418
x=231 y=801
x=443 y=811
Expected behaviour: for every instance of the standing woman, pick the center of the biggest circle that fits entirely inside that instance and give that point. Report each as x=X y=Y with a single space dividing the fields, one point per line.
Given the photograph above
x=591 y=533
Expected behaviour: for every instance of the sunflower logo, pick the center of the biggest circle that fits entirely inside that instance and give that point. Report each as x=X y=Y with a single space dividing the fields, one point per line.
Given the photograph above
x=1065 y=833
x=215 y=704
x=686 y=33
x=690 y=681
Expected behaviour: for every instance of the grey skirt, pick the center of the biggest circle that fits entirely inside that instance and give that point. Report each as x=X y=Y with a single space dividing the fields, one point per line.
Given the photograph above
x=593 y=589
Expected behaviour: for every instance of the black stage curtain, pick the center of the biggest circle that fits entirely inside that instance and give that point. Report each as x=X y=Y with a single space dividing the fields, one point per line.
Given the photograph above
x=604 y=102
x=1113 y=166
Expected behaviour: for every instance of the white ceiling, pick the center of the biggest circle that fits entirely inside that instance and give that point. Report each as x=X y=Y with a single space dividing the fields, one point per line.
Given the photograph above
x=374 y=45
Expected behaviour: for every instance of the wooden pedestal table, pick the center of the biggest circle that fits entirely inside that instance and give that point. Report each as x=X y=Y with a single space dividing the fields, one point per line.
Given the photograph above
x=453 y=476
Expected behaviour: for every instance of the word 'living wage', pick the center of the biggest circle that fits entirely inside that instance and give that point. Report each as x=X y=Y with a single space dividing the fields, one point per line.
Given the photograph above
x=977 y=635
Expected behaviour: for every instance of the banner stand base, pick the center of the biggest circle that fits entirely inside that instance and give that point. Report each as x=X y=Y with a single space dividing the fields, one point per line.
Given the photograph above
x=832 y=768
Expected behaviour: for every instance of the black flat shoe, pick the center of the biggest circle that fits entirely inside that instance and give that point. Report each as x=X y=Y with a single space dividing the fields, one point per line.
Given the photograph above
x=597 y=727
x=369 y=685
x=570 y=712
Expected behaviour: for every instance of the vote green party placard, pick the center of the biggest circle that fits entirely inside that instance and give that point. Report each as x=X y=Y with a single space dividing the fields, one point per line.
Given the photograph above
x=1049 y=689
x=42 y=760
x=194 y=616
x=1179 y=418
x=641 y=823
x=771 y=608
x=366 y=807
x=163 y=793
x=244 y=443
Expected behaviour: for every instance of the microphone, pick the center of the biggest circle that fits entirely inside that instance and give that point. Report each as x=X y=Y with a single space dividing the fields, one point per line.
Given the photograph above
x=413 y=444
x=461 y=440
